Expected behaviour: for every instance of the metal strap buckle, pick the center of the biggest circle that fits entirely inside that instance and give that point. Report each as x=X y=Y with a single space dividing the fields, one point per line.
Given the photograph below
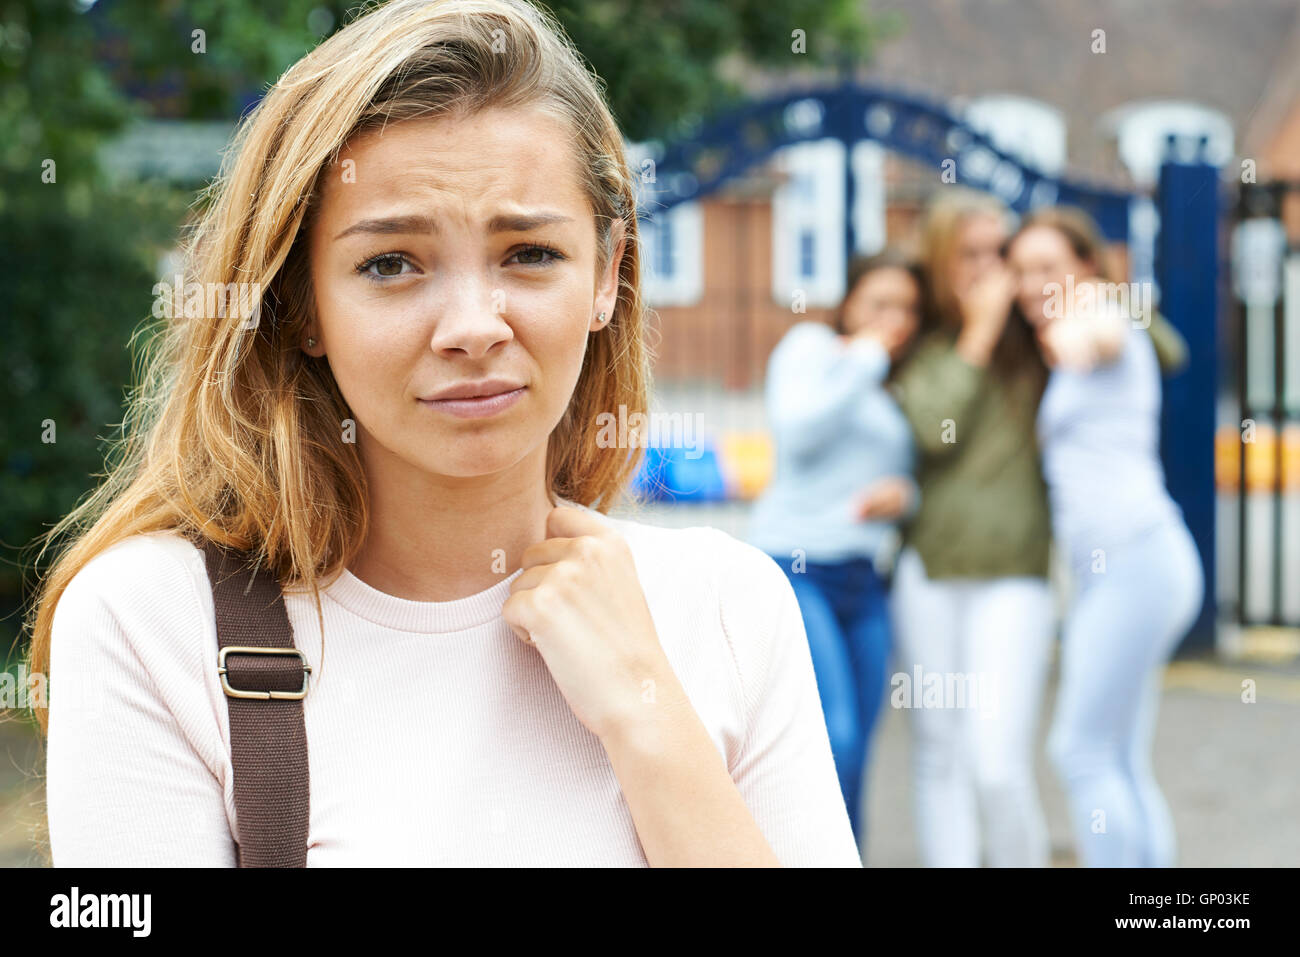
x=262 y=695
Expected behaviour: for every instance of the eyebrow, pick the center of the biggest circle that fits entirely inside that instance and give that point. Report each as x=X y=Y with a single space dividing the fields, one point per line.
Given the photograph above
x=502 y=223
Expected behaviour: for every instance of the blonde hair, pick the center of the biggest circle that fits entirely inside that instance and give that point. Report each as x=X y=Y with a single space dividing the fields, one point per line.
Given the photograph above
x=234 y=434
x=940 y=231
x=1016 y=353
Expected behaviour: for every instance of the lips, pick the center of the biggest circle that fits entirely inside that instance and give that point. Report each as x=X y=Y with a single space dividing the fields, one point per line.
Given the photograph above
x=475 y=400
x=479 y=389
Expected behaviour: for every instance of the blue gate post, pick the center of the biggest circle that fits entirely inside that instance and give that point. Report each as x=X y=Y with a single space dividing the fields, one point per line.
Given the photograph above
x=844 y=122
x=1187 y=268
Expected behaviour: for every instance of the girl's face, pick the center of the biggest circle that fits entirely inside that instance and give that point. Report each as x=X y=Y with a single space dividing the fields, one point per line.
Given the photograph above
x=454 y=268
x=977 y=251
x=1041 y=258
x=887 y=302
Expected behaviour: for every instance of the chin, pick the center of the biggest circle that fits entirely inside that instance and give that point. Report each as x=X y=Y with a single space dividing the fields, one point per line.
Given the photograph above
x=470 y=456
x=1034 y=315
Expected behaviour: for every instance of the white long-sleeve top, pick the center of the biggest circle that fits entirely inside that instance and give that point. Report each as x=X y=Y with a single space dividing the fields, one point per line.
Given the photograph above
x=837 y=431
x=435 y=737
x=1099 y=435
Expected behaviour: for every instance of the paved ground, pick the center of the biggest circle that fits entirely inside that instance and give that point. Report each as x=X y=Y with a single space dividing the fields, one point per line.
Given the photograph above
x=1230 y=771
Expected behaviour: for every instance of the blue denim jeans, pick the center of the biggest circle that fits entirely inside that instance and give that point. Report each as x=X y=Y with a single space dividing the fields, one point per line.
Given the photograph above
x=845 y=614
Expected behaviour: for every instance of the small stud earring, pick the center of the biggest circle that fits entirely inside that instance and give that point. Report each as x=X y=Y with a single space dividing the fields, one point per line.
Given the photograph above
x=601 y=318
x=310 y=343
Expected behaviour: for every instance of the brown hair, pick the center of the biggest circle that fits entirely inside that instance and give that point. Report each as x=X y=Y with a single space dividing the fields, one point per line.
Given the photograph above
x=235 y=432
x=862 y=266
x=1077 y=227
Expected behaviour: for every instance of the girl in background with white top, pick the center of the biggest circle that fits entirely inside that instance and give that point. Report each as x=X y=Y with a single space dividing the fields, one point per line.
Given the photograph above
x=1137 y=576
x=437 y=206
x=842 y=480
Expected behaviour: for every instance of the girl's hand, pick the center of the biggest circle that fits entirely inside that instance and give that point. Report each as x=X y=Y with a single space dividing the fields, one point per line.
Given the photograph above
x=1105 y=320
x=886 y=499
x=891 y=336
x=1068 y=343
x=984 y=311
x=580 y=603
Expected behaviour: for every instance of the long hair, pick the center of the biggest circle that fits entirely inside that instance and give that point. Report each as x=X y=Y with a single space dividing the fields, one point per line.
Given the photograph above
x=234 y=434
x=1079 y=230
x=1016 y=352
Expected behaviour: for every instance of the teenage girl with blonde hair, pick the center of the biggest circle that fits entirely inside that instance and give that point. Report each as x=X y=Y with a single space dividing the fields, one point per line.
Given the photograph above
x=436 y=205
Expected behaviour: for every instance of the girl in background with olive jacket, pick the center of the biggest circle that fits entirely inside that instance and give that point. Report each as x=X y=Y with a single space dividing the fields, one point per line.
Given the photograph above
x=972 y=607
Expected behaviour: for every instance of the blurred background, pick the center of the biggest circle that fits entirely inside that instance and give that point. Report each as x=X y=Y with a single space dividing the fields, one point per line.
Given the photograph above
x=774 y=140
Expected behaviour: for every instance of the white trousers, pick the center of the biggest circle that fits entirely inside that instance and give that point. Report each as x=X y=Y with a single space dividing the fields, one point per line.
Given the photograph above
x=1125 y=623
x=973 y=761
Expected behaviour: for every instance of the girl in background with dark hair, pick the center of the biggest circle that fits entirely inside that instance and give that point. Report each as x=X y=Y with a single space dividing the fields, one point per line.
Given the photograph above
x=1137 y=576
x=842 y=481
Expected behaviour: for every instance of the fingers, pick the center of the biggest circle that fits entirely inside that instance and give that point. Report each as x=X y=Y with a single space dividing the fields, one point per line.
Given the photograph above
x=885 y=498
x=571 y=552
x=518 y=612
x=546 y=552
x=531 y=577
x=565 y=521
x=868 y=503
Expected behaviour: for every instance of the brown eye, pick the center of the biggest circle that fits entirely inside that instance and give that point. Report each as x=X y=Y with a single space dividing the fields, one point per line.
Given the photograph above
x=385 y=266
x=536 y=256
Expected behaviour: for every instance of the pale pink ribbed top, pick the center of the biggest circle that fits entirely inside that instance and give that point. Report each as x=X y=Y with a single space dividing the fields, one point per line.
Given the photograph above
x=435 y=737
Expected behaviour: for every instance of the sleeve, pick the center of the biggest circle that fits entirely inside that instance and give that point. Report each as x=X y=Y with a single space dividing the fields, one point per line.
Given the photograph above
x=936 y=385
x=784 y=769
x=130 y=751
x=812 y=382
x=913 y=502
x=1170 y=346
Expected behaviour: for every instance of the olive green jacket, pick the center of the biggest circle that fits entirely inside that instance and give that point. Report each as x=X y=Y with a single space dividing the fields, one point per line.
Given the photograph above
x=984 y=509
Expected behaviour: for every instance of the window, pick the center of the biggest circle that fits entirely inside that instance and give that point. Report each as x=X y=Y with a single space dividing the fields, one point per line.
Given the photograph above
x=808 y=224
x=673 y=247
x=807 y=254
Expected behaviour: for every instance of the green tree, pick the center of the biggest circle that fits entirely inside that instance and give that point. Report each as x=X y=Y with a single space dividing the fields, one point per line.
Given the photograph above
x=660 y=61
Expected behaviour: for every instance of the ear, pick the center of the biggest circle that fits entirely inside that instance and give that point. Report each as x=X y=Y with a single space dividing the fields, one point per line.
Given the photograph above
x=607 y=282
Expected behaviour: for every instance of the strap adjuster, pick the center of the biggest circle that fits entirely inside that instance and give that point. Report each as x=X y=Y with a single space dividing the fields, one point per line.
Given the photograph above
x=262 y=695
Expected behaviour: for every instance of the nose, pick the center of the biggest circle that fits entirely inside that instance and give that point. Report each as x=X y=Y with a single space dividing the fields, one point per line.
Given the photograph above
x=900 y=315
x=469 y=316
x=1032 y=286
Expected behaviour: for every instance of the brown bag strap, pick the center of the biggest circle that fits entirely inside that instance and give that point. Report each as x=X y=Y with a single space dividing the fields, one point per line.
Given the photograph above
x=264 y=691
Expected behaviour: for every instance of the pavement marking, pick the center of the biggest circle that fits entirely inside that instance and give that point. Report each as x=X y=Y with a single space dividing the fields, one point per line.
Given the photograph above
x=1225 y=680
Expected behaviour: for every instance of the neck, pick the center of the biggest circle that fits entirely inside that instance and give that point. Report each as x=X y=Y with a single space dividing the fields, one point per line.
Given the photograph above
x=439 y=538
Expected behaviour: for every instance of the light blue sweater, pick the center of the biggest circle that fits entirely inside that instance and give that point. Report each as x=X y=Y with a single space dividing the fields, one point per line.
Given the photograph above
x=837 y=430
